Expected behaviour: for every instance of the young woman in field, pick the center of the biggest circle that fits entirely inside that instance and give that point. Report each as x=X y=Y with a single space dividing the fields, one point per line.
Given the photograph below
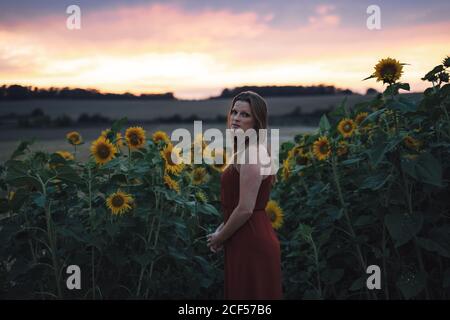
x=252 y=250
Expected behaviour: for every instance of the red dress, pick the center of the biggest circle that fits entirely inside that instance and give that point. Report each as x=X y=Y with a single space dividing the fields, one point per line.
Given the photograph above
x=252 y=253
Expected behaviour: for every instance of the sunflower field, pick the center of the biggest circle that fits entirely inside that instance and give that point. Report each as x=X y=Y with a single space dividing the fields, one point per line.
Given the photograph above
x=368 y=188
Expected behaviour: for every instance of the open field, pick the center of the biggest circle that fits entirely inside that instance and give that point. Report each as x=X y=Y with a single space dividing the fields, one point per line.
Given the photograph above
x=53 y=140
x=147 y=110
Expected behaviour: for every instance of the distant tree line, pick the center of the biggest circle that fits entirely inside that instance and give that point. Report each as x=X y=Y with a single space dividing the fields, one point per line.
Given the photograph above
x=284 y=91
x=17 y=92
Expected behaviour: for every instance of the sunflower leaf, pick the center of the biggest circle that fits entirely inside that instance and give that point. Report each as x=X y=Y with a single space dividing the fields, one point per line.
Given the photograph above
x=411 y=283
x=403 y=227
x=324 y=124
x=21 y=148
x=369 y=77
x=119 y=124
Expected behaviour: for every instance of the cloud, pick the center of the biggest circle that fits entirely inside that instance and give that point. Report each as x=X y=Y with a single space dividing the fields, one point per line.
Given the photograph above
x=164 y=47
x=325 y=16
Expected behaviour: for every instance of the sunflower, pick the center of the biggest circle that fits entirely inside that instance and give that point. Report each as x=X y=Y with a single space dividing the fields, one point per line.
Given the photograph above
x=342 y=148
x=286 y=170
x=360 y=117
x=346 y=127
x=446 y=62
x=219 y=153
x=200 y=147
x=135 y=137
x=66 y=155
x=170 y=165
x=119 y=202
x=299 y=155
x=172 y=184
x=412 y=143
x=74 y=138
x=199 y=176
x=103 y=150
x=275 y=214
x=200 y=196
x=321 y=148
x=388 y=70
x=160 y=136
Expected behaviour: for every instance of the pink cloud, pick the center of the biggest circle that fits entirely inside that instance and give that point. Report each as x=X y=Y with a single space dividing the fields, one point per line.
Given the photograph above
x=225 y=48
x=324 y=9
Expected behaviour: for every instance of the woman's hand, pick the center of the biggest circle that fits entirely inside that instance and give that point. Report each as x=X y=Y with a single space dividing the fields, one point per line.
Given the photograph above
x=214 y=241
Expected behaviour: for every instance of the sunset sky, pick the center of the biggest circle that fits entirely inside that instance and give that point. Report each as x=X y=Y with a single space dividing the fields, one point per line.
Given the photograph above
x=197 y=48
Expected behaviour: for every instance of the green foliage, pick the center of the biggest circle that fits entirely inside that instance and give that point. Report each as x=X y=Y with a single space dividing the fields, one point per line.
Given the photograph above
x=382 y=200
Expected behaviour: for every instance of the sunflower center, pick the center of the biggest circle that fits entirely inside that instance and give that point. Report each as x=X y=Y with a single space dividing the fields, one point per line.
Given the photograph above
x=198 y=175
x=388 y=70
x=323 y=148
x=347 y=127
x=103 y=151
x=134 y=138
x=117 y=201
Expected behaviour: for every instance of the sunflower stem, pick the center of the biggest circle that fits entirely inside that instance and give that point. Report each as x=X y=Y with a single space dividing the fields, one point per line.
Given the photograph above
x=51 y=236
x=344 y=207
x=92 y=228
x=386 y=285
x=316 y=261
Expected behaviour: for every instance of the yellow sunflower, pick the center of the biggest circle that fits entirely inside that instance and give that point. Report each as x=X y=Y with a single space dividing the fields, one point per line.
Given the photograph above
x=200 y=196
x=388 y=70
x=346 y=127
x=172 y=184
x=135 y=137
x=275 y=214
x=119 y=202
x=446 y=62
x=160 y=136
x=200 y=147
x=103 y=150
x=66 y=155
x=299 y=155
x=199 y=176
x=360 y=117
x=321 y=148
x=412 y=143
x=220 y=154
x=286 y=169
x=74 y=138
x=342 y=148
x=170 y=165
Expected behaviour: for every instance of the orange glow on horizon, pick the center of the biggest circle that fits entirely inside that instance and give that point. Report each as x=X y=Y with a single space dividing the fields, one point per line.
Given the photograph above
x=161 y=48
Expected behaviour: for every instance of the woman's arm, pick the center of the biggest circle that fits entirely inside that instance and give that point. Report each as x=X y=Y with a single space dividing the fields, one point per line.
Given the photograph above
x=250 y=179
x=219 y=227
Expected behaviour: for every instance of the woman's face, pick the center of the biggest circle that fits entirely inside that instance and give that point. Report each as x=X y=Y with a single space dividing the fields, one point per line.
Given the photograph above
x=241 y=116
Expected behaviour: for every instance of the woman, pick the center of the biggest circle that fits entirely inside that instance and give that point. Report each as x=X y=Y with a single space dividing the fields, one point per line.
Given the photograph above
x=252 y=249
